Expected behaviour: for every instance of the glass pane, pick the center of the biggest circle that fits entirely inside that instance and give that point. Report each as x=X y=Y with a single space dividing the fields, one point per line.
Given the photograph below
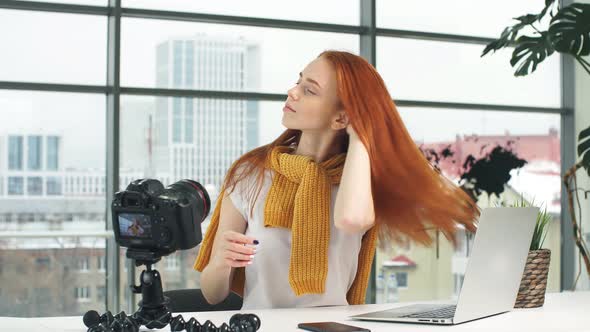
x=303 y=10
x=461 y=17
x=66 y=288
x=15 y=152
x=172 y=138
x=76 y=2
x=419 y=273
x=453 y=72
x=67 y=49
x=181 y=55
x=212 y=134
x=56 y=160
x=50 y=183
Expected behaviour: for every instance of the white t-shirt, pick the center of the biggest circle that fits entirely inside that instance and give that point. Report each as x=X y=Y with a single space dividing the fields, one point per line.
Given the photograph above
x=267 y=278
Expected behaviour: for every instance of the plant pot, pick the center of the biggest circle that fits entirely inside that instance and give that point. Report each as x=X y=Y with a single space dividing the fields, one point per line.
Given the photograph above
x=531 y=293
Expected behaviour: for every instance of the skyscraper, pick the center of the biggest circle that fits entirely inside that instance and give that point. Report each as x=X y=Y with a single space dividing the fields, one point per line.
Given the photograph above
x=199 y=138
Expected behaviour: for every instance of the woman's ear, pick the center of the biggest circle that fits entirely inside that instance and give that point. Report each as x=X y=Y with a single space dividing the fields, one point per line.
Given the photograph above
x=340 y=121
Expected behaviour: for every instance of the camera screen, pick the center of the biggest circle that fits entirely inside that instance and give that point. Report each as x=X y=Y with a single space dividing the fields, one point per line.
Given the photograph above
x=135 y=225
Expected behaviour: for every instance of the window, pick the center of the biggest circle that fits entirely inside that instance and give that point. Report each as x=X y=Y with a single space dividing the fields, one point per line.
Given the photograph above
x=15 y=152
x=486 y=19
x=82 y=294
x=177 y=64
x=73 y=145
x=172 y=262
x=189 y=70
x=534 y=137
x=82 y=264
x=402 y=279
x=446 y=72
x=35 y=186
x=35 y=152
x=81 y=37
x=54 y=186
x=100 y=293
x=15 y=185
x=52 y=153
x=175 y=137
x=82 y=2
x=43 y=263
x=188 y=120
x=102 y=263
x=215 y=48
x=177 y=129
x=323 y=11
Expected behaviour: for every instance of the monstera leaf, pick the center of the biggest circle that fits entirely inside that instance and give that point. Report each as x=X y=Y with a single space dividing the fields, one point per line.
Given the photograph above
x=529 y=52
x=510 y=33
x=508 y=36
x=570 y=30
x=584 y=148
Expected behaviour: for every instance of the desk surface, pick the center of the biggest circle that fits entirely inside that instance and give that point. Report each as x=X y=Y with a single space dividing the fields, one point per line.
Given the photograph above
x=562 y=312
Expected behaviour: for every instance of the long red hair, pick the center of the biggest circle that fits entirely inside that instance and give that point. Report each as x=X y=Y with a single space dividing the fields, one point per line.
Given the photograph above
x=410 y=196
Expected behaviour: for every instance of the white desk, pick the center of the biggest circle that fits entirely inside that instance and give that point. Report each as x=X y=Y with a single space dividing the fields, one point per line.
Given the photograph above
x=561 y=312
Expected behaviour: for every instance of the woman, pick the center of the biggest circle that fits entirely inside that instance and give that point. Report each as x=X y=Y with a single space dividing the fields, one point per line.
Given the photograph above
x=297 y=219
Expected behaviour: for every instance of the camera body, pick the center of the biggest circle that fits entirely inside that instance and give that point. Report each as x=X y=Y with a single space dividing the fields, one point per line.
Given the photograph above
x=153 y=221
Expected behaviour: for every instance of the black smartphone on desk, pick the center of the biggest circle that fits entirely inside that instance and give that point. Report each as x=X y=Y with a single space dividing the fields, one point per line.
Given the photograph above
x=331 y=327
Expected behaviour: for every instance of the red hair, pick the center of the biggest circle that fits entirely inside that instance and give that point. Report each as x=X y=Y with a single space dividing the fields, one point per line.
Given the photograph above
x=409 y=195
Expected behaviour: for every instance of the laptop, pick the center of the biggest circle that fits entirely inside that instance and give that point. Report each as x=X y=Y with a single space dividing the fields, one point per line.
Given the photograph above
x=492 y=277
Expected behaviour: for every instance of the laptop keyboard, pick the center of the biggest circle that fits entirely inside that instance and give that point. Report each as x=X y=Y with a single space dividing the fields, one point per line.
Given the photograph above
x=445 y=312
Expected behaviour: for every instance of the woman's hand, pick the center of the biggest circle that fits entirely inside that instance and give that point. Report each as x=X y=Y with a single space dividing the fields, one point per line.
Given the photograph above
x=236 y=249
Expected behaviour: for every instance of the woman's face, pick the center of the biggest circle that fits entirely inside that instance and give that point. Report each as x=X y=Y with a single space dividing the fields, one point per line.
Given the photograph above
x=312 y=104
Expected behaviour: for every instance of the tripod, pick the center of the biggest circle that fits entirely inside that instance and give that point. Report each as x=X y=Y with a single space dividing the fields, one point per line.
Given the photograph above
x=153 y=311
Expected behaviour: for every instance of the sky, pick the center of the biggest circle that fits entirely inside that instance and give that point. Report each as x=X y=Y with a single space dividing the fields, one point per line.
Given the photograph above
x=65 y=48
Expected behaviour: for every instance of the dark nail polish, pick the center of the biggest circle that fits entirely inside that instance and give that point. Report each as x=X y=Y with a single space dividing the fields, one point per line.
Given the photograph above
x=256 y=242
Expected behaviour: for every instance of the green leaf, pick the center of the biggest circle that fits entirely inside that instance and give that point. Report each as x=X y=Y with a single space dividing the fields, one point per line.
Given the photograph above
x=584 y=134
x=527 y=19
x=508 y=36
x=510 y=33
x=583 y=146
x=548 y=4
x=569 y=30
x=586 y=162
x=529 y=52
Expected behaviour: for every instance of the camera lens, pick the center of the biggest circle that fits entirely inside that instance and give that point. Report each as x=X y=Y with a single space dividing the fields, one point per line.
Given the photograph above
x=194 y=194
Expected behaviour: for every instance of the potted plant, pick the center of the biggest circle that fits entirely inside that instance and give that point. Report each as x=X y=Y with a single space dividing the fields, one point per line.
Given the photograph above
x=531 y=293
x=568 y=32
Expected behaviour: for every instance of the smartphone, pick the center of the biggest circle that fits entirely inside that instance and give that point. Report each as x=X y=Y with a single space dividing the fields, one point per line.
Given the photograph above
x=331 y=327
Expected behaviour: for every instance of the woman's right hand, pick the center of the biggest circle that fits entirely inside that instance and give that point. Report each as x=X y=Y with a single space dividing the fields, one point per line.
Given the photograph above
x=236 y=249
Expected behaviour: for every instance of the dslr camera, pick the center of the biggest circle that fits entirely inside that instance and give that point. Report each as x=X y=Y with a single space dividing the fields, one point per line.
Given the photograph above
x=153 y=221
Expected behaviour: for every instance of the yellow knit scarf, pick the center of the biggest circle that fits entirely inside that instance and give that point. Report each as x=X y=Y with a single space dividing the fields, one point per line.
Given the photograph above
x=300 y=198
